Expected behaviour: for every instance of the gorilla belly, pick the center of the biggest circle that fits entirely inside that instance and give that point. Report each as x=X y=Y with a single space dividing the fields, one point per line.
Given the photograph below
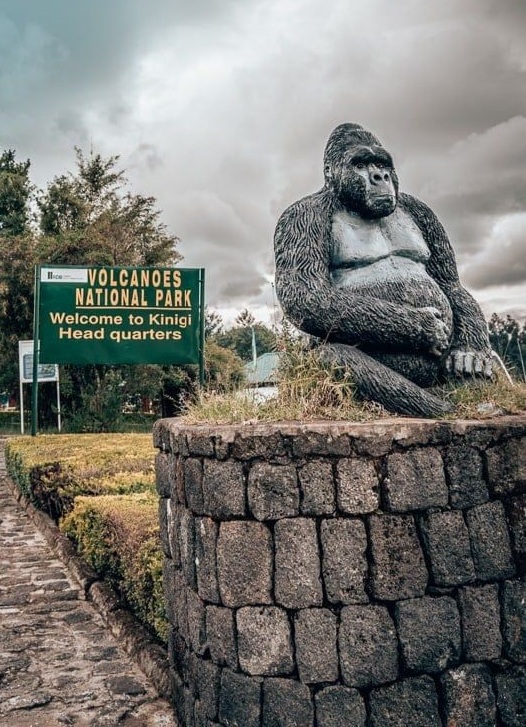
x=395 y=279
x=384 y=259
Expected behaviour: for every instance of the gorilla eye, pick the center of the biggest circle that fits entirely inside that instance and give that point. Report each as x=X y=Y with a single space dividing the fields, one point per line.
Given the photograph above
x=360 y=165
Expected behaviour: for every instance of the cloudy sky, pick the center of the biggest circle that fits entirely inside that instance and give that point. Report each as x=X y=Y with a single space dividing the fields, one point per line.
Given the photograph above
x=221 y=110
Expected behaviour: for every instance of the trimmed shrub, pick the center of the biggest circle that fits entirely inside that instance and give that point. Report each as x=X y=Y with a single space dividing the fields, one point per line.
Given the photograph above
x=51 y=470
x=119 y=537
x=101 y=491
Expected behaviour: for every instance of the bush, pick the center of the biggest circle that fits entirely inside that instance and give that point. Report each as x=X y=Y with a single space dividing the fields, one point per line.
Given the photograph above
x=51 y=470
x=101 y=490
x=119 y=537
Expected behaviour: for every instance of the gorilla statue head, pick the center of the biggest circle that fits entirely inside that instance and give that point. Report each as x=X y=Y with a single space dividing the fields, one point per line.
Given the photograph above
x=360 y=172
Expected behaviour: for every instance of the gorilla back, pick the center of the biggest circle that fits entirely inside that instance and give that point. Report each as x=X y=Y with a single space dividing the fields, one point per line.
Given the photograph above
x=370 y=272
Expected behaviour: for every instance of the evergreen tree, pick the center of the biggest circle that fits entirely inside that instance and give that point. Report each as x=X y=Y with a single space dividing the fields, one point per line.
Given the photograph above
x=17 y=258
x=87 y=217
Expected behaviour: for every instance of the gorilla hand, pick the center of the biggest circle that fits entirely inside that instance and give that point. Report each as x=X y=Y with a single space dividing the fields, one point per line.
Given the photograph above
x=434 y=330
x=474 y=363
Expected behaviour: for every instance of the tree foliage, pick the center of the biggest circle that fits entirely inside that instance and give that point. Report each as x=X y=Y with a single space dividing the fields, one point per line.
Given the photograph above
x=241 y=337
x=85 y=217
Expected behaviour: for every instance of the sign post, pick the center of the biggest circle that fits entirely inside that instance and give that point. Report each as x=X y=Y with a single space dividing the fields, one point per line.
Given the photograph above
x=119 y=315
x=45 y=373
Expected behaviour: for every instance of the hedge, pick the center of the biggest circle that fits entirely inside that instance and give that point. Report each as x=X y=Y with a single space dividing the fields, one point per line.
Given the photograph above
x=118 y=535
x=51 y=470
x=100 y=489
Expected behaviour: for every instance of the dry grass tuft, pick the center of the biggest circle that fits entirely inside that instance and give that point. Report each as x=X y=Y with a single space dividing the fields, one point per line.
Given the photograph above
x=309 y=390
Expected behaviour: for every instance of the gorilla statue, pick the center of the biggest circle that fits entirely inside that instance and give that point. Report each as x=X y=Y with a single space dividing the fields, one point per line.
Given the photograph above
x=371 y=274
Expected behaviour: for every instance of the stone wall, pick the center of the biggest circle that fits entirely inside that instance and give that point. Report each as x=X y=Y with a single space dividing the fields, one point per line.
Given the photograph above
x=339 y=574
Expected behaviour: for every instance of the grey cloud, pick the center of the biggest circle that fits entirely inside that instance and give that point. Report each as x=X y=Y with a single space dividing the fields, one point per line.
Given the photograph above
x=503 y=261
x=222 y=109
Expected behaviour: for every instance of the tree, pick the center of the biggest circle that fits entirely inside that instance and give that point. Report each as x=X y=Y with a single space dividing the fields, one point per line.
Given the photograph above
x=242 y=337
x=213 y=323
x=15 y=194
x=87 y=217
x=17 y=257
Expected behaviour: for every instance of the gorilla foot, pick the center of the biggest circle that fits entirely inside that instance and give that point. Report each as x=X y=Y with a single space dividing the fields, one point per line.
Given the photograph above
x=376 y=382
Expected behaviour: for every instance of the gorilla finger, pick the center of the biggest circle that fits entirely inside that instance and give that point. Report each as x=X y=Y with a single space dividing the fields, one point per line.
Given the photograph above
x=459 y=362
x=468 y=363
x=478 y=364
x=488 y=368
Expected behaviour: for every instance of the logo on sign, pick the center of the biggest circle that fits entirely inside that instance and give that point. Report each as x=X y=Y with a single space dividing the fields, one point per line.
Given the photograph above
x=63 y=275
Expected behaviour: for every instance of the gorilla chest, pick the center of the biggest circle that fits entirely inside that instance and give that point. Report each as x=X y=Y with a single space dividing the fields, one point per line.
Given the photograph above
x=392 y=243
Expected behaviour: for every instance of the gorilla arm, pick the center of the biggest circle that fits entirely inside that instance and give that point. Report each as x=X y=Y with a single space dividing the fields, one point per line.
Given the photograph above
x=310 y=299
x=470 y=350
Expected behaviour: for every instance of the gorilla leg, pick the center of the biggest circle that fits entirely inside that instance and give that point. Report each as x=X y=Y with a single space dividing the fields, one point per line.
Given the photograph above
x=376 y=382
x=422 y=369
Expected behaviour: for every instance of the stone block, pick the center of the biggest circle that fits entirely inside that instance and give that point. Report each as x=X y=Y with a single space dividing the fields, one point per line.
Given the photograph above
x=344 y=563
x=429 y=633
x=163 y=473
x=184 y=525
x=222 y=447
x=201 y=445
x=316 y=635
x=490 y=541
x=516 y=514
x=480 y=617
x=196 y=621
x=273 y=491
x=266 y=446
x=373 y=441
x=339 y=706
x=465 y=476
x=297 y=563
x=448 y=548
x=170 y=573
x=357 y=486
x=398 y=567
x=514 y=620
x=506 y=465
x=224 y=489
x=317 y=488
x=180 y=609
x=368 y=646
x=410 y=703
x=320 y=443
x=220 y=636
x=264 y=641
x=173 y=515
x=244 y=563
x=164 y=504
x=286 y=703
x=177 y=493
x=511 y=696
x=205 y=558
x=193 y=485
x=208 y=677
x=239 y=700
x=415 y=480
x=468 y=696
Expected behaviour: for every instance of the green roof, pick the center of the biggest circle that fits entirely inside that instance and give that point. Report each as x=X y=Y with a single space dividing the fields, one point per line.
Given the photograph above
x=265 y=370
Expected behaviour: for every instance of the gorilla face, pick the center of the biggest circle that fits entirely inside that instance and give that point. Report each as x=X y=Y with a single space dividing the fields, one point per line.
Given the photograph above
x=365 y=181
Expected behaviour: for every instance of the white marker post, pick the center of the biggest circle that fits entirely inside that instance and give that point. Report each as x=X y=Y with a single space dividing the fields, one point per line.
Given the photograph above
x=46 y=372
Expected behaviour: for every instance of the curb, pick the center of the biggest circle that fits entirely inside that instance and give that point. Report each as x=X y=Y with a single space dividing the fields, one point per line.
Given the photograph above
x=149 y=656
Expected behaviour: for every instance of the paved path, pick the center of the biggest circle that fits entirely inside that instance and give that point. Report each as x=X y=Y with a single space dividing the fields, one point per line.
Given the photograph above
x=59 y=664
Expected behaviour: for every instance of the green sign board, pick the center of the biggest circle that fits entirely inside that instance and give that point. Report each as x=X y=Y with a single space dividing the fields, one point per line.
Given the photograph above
x=122 y=315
